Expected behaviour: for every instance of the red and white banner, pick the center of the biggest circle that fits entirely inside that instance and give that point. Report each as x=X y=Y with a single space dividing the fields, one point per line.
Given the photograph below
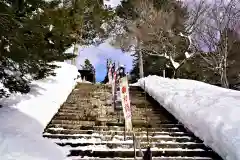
x=127 y=111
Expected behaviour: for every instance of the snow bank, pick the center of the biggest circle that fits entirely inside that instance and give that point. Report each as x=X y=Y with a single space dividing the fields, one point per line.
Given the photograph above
x=210 y=112
x=24 y=117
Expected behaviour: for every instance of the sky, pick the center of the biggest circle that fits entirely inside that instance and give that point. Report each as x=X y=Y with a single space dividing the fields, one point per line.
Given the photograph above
x=98 y=57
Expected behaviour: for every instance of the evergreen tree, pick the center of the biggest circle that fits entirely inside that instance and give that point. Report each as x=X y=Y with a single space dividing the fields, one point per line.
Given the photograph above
x=34 y=33
x=152 y=66
x=87 y=65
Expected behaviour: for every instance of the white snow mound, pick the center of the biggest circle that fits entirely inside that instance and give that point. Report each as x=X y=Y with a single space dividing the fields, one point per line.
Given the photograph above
x=24 y=117
x=210 y=112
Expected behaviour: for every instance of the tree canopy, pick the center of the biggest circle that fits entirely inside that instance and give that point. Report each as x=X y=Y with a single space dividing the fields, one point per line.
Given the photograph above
x=34 y=33
x=172 y=35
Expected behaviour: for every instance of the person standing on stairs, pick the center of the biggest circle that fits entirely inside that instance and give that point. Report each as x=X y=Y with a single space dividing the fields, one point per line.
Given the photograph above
x=113 y=69
x=122 y=71
x=148 y=154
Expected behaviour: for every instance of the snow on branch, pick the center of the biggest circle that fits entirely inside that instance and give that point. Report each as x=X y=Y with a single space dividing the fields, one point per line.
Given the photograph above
x=176 y=65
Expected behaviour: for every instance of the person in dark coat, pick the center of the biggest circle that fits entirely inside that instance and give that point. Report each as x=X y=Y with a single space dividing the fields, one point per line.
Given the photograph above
x=122 y=71
x=148 y=154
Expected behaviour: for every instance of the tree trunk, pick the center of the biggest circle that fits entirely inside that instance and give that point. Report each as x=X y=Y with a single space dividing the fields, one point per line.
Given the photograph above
x=164 y=73
x=140 y=59
x=224 y=74
x=174 y=74
x=75 y=52
x=224 y=79
x=164 y=70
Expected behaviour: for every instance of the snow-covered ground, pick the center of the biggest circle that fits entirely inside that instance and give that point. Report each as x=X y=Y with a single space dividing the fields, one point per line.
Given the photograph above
x=211 y=112
x=24 y=117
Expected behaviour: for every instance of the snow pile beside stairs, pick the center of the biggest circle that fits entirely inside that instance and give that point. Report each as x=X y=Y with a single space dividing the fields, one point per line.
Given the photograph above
x=210 y=112
x=24 y=117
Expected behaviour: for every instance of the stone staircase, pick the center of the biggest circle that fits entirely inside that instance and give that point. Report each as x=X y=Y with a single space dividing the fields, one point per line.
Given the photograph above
x=87 y=127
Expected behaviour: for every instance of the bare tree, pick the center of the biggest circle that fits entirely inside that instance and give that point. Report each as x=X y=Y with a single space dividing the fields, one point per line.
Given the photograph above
x=212 y=35
x=155 y=32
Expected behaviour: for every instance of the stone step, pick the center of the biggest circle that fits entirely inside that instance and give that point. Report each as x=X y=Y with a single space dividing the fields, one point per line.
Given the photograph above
x=139 y=158
x=116 y=128
x=142 y=124
x=95 y=137
x=76 y=131
x=130 y=153
x=75 y=105
x=142 y=145
x=141 y=105
x=136 y=114
x=135 y=111
x=80 y=97
x=70 y=114
x=142 y=133
x=94 y=140
x=75 y=117
x=109 y=122
x=87 y=123
x=78 y=126
x=70 y=111
x=114 y=115
x=78 y=107
x=148 y=110
x=136 y=124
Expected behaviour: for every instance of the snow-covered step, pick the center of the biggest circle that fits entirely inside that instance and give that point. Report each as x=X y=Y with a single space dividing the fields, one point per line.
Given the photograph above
x=141 y=124
x=77 y=131
x=80 y=122
x=138 y=158
x=97 y=141
x=137 y=108
x=137 y=121
x=157 y=138
x=142 y=144
x=71 y=109
x=129 y=153
x=80 y=116
x=118 y=132
x=78 y=126
x=88 y=126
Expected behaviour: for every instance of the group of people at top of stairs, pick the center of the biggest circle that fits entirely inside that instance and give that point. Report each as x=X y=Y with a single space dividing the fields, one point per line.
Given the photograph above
x=119 y=70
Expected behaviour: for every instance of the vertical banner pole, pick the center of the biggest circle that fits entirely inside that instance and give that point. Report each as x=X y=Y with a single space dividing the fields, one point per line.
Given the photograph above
x=113 y=90
x=134 y=146
x=124 y=130
x=146 y=109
